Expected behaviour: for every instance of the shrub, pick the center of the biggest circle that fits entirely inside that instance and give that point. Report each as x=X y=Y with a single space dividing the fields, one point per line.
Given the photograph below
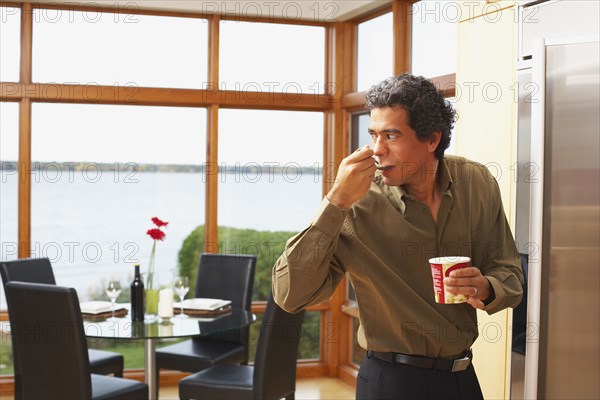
x=266 y=245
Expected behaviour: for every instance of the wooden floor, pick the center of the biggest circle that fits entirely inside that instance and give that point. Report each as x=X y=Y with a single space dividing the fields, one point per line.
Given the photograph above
x=306 y=389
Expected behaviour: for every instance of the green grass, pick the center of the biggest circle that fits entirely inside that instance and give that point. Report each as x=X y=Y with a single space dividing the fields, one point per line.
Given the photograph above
x=132 y=350
x=6 y=363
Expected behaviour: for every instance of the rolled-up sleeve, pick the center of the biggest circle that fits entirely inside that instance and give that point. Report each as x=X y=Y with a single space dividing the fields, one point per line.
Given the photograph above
x=307 y=272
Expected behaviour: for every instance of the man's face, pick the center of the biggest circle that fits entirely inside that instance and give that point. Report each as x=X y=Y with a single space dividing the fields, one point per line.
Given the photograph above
x=395 y=144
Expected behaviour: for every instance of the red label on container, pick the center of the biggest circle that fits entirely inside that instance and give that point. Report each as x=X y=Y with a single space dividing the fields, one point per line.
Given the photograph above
x=438 y=273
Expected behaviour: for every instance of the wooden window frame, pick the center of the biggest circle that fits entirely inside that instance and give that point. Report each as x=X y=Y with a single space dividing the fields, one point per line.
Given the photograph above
x=338 y=103
x=25 y=92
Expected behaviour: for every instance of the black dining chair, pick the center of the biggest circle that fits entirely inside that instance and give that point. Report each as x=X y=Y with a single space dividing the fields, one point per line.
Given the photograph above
x=273 y=374
x=50 y=346
x=39 y=270
x=221 y=276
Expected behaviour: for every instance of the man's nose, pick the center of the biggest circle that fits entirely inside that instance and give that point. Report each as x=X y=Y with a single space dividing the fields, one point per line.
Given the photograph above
x=378 y=146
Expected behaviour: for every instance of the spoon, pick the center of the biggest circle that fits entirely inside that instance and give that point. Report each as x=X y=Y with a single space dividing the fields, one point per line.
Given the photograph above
x=382 y=167
x=377 y=165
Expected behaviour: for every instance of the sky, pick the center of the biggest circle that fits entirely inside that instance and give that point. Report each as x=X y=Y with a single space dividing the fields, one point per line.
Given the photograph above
x=109 y=49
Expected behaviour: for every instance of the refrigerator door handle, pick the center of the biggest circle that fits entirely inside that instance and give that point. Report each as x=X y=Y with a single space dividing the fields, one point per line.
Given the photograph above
x=536 y=222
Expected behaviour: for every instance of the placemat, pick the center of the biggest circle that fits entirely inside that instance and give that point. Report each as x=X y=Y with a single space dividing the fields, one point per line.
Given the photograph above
x=203 y=313
x=104 y=315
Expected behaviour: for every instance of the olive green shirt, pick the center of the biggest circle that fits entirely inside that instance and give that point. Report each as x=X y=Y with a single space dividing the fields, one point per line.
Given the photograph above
x=384 y=243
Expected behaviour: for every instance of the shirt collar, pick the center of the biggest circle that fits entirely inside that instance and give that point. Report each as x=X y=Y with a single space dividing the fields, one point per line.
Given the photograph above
x=443 y=176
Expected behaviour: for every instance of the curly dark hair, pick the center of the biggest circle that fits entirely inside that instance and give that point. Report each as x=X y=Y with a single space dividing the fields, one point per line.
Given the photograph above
x=427 y=109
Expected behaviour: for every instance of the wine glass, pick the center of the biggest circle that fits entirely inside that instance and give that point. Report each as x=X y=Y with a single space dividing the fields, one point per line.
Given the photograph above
x=181 y=285
x=113 y=290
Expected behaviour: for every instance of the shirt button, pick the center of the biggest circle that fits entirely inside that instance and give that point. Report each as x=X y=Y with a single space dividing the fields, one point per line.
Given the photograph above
x=334 y=220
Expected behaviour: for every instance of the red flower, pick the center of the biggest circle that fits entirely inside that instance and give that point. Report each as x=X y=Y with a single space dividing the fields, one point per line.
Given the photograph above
x=158 y=222
x=156 y=234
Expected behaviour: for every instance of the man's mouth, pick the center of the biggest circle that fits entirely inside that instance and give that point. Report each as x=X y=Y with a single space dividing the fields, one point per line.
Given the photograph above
x=382 y=167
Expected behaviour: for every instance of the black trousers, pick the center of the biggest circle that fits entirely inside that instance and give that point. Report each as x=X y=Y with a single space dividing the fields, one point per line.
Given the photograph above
x=378 y=379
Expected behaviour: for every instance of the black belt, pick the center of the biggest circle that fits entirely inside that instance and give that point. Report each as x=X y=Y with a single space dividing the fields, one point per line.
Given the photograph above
x=459 y=364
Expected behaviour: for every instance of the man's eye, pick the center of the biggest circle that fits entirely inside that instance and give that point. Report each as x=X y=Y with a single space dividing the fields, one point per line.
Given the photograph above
x=390 y=136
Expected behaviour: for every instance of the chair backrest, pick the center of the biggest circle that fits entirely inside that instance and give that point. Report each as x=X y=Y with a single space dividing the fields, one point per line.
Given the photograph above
x=277 y=352
x=48 y=334
x=32 y=270
x=228 y=277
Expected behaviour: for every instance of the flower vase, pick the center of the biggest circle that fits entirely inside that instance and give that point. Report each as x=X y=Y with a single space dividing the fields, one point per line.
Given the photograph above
x=152 y=289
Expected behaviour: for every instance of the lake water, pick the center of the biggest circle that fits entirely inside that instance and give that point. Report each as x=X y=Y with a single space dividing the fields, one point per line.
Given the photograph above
x=92 y=224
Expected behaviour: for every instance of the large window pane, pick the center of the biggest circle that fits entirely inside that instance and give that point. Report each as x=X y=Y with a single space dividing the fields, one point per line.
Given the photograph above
x=360 y=131
x=102 y=172
x=434 y=25
x=119 y=49
x=9 y=150
x=272 y=57
x=270 y=186
x=277 y=155
x=10 y=41
x=270 y=182
x=375 y=51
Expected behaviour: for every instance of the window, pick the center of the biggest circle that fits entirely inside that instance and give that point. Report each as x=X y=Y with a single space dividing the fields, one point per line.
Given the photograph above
x=270 y=182
x=434 y=26
x=269 y=163
x=375 y=51
x=10 y=42
x=83 y=47
x=101 y=172
x=272 y=58
x=9 y=153
x=270 y=185
x=360 y=131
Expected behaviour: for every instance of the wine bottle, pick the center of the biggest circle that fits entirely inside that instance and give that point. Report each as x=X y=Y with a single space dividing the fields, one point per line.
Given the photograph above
x=137 y=297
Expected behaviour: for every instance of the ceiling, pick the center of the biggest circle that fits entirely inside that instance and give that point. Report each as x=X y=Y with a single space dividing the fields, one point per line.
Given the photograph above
x=315 y=10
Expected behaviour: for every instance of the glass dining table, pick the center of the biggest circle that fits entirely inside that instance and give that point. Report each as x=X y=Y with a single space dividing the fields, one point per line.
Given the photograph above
x=123 y=328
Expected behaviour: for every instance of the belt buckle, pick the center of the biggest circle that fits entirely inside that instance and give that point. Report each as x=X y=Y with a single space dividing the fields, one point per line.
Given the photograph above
x=460 y=364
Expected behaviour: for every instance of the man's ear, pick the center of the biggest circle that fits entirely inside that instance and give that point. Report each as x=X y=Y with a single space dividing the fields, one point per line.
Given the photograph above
x=434 y=141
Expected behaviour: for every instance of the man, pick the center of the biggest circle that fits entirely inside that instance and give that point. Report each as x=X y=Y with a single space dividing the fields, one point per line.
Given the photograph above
x=381 y=227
